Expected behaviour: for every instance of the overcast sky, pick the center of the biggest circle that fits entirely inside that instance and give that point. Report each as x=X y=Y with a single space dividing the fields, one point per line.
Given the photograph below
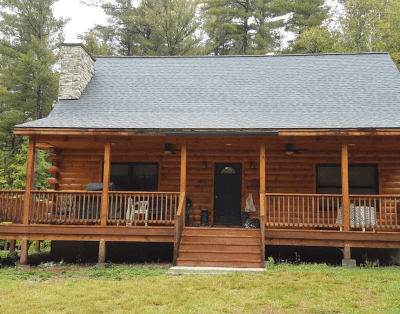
x=82 y=18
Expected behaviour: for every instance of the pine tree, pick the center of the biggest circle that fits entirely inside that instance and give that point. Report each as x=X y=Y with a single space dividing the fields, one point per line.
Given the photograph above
x=30 y=37
x=148 y=27
x=241 y=27
x=305 y=14
x=172 y=26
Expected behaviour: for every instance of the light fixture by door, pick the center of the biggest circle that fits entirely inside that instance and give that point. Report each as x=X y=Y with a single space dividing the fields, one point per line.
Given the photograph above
x=169 y=149
x=252 y=166
x=290 y=150
x=204 y=165
x=228 y=170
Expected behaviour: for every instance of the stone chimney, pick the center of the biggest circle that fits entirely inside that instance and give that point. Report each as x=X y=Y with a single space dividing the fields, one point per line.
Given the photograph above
x=77 y=69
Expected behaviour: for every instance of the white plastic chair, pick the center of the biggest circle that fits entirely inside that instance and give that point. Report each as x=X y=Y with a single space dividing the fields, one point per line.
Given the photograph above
x=140 y=207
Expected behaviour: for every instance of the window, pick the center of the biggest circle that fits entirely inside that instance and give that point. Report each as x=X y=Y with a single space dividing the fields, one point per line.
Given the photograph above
x=363 y=179
x=135 y=176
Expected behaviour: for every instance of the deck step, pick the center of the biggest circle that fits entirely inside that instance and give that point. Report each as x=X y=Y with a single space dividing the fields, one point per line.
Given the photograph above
x=219 y=263
x=221 y=239
x=220 y=247
x=210 y=256
x=221 y=231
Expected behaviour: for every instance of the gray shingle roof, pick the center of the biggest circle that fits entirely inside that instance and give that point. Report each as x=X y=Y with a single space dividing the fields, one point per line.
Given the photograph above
x=267 y=92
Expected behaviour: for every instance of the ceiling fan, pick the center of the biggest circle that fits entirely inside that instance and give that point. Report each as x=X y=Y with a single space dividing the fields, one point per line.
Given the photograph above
x=169 y=149
x=290 y=150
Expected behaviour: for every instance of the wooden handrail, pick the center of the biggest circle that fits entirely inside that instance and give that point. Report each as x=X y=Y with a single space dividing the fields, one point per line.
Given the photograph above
x=290 y=194
x=179 y=222
x=180 y=208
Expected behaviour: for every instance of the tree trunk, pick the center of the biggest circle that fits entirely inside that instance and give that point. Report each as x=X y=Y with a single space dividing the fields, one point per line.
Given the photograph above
x=246 y=28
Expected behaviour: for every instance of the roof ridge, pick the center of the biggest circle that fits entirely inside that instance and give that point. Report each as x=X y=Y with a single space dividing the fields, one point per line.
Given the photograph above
x=251 y=56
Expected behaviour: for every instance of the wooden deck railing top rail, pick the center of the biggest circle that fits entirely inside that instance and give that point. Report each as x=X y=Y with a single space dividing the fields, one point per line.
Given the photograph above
x=11 y=205
x=303 y=210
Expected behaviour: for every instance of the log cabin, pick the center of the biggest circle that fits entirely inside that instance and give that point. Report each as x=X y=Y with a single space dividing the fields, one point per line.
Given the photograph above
x=312 y=138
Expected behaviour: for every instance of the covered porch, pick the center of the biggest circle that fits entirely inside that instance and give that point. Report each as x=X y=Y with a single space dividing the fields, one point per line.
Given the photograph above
x=285 y=189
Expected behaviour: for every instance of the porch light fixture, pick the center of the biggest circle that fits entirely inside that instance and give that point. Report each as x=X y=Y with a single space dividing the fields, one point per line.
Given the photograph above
x=169 y=149
x=228 y=170
x=204 y=165
x=252 y=166
x=290 y=150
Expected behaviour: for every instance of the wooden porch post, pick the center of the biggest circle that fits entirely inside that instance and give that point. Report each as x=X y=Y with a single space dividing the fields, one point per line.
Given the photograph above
x=106 y=184
x=262 y=203
x=179 y=222
x=30 y=173
x=345 y=188
x=183 y=176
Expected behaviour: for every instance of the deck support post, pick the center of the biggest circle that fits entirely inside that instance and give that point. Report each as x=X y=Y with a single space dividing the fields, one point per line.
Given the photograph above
x=30 y=174
x=346 y=253
x=106 y=184
x=23 y=259
x=345 y=188
x=262 y=204
x=102 y=252
x=37 y=245
x=12 y=245
x=347 y=261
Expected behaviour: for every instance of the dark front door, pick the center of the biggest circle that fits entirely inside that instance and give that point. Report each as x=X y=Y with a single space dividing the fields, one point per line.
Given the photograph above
x=227 y=194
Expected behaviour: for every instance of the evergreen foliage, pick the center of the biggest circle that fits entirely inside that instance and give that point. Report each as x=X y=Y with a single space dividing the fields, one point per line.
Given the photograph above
x=242 y=27
x=150 y=27
x=30 y=38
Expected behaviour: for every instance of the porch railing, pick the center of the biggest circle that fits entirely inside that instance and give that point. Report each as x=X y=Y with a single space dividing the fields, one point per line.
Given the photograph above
x=70 y=207
x=11 y=206
x=303 y=210
x=375 y=211
x=133 y=208
x=124 y=208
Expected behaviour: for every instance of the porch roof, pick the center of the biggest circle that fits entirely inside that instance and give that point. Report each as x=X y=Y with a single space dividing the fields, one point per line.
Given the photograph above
x=322 y=91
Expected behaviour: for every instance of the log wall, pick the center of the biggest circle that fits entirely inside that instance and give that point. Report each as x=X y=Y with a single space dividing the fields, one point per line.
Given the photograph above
x=74 y=169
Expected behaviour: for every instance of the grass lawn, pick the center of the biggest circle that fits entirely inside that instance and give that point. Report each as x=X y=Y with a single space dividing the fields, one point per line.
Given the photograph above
x=68 y=288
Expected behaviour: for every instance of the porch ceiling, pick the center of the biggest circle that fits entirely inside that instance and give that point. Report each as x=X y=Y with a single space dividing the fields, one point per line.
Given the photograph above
x=220 y=143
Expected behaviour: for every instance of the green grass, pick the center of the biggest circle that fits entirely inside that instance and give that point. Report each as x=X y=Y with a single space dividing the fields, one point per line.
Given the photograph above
x=66 y=288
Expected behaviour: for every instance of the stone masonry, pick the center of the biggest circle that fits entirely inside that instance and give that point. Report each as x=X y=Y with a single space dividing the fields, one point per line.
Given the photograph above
x=77 y=69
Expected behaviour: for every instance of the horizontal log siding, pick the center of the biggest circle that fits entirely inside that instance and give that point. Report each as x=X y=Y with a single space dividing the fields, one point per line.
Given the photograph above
x=73 y=170
x=284 y=174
